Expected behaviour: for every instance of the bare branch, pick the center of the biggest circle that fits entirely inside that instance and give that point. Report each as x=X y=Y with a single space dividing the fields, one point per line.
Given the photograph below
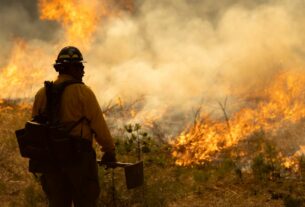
x=109 y=106
x=223 y=108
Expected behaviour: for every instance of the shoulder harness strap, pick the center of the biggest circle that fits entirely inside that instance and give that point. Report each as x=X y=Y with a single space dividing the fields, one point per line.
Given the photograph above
x=54 y=94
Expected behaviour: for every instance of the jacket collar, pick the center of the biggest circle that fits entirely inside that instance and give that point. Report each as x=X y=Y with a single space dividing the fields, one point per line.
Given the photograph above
x=62 y=78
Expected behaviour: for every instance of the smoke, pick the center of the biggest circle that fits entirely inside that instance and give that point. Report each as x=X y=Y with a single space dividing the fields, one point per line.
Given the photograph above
x=184 y=53
x=178 y=54
x=20 y=19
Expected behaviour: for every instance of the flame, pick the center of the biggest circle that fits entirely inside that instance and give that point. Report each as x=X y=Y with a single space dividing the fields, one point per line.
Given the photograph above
x=23 y=70
x=24 y=73
x=78 y=17
x=282 y=103
x=290 y=163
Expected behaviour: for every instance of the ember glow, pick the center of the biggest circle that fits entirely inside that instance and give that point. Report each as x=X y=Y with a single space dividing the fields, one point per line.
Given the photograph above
x=281 y=103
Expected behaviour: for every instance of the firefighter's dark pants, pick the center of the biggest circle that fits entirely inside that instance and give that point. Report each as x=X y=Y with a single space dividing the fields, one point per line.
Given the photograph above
x=76 y=183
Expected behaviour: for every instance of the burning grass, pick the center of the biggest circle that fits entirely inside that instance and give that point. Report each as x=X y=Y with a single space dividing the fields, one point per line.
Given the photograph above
x=256 y=179
x=17 y=185
x=281 y=104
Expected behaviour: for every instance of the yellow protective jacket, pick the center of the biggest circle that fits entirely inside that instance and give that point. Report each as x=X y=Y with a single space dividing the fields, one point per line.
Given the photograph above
x=78 y=101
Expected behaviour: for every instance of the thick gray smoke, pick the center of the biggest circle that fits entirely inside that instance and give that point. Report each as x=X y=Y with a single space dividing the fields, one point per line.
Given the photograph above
x=182 y=53
x=177 y=54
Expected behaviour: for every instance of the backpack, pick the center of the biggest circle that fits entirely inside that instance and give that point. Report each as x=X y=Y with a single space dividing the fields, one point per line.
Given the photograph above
x=45 y=140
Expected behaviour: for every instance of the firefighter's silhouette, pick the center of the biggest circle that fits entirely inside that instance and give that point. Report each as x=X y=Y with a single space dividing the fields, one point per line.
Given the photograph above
x=75 y=183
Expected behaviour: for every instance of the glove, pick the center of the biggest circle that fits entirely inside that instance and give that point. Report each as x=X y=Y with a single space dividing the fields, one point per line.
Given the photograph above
x=109 y=157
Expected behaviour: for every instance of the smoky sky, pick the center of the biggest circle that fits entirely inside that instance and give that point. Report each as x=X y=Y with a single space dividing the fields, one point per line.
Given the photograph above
x=198 y=49
x=21 y=19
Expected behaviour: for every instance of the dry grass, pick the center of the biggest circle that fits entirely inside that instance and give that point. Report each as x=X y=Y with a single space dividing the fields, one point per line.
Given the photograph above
x=17 y=186
x=217 y=185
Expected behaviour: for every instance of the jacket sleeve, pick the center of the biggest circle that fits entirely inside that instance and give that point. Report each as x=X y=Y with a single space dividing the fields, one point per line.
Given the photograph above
x=93 y=113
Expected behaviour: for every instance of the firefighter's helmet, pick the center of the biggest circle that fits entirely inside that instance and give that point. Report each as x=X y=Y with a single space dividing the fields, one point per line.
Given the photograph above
x=68 y=55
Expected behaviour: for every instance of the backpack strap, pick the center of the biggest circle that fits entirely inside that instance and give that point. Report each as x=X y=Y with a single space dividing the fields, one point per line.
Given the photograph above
x=54 y=94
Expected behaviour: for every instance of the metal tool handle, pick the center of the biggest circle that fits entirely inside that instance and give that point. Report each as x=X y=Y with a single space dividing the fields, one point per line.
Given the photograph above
x=114 y=164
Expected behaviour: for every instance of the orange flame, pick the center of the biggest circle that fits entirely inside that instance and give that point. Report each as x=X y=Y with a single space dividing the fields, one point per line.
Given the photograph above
x=78 y=17
x=24 y=68
x=23 y=74
x=282 y=103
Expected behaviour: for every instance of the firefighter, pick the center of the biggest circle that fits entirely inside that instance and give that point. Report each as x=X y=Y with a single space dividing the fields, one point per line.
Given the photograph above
x=77 y=183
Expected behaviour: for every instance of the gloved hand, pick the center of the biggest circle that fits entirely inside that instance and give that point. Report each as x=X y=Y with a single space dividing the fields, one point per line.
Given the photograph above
x=109 y=157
